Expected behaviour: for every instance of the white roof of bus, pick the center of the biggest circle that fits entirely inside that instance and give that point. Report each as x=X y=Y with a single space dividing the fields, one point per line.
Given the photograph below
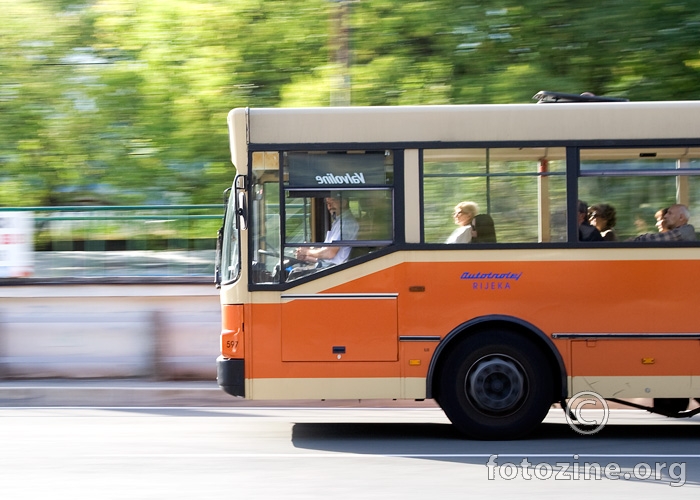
x=471 y=123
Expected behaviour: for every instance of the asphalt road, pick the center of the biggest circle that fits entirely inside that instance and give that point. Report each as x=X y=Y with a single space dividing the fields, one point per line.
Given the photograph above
x=333 y=453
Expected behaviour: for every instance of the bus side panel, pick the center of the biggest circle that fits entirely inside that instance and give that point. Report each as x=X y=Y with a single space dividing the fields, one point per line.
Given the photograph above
x=588 y=295
x=415 y=361
x=573 y=292
x=637 y=368
x=339 y=329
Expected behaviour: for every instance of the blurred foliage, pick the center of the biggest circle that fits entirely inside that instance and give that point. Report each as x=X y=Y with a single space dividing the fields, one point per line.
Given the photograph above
x=124 y=101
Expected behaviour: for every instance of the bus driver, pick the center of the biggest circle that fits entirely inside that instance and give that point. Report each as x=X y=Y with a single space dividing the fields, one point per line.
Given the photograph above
x=343 y=227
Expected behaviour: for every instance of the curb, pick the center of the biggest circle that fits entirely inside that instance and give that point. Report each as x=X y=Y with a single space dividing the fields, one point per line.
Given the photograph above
x=110 y=393
x=143 y=393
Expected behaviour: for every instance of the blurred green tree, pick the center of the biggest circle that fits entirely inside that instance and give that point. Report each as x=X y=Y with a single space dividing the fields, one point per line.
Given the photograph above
x=122 y=101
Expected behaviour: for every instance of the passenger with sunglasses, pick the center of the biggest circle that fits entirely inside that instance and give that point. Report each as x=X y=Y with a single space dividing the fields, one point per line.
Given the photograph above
x=604 y=218
x=463 y=216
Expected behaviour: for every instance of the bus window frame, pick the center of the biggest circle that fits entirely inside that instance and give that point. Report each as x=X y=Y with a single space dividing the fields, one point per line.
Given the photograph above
x=384 y=247
x=488 y=175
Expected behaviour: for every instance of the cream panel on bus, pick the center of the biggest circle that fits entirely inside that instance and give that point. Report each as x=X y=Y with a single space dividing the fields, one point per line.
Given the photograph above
x=238 y=139
x=324 y=388
x=474 y=123
x=623 y=387
x=412 y=188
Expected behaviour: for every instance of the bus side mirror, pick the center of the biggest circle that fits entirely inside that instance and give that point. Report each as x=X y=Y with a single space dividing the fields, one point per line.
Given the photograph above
x=241 y=202
x=242 y=211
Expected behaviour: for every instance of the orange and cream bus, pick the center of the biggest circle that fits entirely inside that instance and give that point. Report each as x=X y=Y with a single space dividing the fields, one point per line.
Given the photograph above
x=337 y=281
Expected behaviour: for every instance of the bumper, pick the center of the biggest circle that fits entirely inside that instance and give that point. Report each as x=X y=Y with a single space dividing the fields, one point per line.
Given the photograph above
x=230 y=375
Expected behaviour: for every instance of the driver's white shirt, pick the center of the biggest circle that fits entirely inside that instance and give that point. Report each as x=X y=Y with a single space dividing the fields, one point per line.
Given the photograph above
x=344 y=227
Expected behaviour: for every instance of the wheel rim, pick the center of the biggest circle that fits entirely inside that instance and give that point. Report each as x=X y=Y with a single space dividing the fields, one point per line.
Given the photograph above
x=496 y=384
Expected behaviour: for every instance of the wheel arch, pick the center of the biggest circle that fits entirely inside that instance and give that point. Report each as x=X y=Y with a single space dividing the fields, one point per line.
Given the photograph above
x=480 y=325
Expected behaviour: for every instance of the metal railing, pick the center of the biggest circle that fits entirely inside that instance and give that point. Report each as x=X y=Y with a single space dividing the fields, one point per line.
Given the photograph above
x=143 y=241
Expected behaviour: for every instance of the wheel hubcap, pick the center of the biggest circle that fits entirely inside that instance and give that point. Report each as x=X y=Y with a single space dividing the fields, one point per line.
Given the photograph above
x=495 y=383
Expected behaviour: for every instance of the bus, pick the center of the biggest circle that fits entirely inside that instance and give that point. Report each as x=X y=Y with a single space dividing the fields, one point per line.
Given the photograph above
x=496 y=330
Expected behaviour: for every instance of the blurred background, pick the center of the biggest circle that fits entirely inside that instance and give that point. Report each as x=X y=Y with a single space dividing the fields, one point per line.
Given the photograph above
x=113 y=139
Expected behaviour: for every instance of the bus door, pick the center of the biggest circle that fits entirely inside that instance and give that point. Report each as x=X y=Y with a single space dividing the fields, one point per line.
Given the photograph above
x=339 y=327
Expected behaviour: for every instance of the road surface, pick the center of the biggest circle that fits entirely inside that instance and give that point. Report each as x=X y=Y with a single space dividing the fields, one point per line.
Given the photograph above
x=333 y=453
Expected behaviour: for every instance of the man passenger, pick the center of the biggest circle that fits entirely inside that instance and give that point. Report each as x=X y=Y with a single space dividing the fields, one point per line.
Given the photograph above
x=678 y=229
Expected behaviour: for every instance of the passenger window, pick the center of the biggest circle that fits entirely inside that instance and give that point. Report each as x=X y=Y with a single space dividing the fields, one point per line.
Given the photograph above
x=520 y=194
x=636 y=183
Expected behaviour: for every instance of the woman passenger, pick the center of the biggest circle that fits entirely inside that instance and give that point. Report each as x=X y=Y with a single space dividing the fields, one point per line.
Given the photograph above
x=604 y=218
x=660 y=221
x=463 y=215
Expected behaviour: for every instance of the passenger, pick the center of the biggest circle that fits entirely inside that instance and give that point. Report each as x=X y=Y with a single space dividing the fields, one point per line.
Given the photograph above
x=641 y=224
x=483 y=230
x=660 y=222
x=344 y=227
x=586 y=232
x=463 y=215
x=678 y=229
x=604 y=218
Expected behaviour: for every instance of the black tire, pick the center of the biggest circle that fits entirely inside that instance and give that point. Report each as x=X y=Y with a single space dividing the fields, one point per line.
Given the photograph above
x=496 y=385
x=671 y=406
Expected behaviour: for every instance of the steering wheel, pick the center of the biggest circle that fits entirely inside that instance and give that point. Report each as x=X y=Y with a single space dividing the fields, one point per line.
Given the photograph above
x=268 y=252
x=288 y=261
x=292 y=261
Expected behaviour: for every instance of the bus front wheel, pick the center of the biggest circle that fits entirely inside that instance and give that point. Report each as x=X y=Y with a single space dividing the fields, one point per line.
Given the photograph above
x=496 y=385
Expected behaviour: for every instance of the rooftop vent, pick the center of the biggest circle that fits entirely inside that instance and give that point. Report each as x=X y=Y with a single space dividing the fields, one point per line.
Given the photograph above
x=545 y=96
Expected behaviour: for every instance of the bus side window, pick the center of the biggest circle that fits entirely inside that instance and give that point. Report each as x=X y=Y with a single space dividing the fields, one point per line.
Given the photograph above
x=523 y=189
x=375 y=216
x=638 y=182
x=375 y=219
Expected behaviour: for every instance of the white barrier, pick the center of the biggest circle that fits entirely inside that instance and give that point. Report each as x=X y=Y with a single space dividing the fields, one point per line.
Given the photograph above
x=16 y=244
x=97 y=331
